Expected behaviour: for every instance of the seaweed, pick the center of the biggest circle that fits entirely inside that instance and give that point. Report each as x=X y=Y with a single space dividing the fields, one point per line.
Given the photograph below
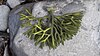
x=51 y=30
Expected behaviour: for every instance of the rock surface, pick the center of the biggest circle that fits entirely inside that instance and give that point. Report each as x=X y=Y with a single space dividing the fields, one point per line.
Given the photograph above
x=3 y=42
x=13 y=3
x=39 y=9
x=85 y=43
x=98 y=39
x=4 y=11
x=14 y=23
x=6 y=51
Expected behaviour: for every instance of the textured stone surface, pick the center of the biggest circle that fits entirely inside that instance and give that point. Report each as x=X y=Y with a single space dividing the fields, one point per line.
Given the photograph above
x=4 y=11
x=39 y=9
x=14 y=22
x=98 y=39
x=13 y=3
x=85 y=43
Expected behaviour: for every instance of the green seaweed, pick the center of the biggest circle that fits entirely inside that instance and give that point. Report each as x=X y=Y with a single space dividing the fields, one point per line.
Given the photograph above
x=51 y=30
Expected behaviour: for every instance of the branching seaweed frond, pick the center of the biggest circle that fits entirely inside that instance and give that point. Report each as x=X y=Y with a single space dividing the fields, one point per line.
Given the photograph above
x=51 y=30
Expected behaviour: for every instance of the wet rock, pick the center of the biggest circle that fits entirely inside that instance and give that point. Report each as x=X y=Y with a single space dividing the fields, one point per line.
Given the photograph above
x=4 y=11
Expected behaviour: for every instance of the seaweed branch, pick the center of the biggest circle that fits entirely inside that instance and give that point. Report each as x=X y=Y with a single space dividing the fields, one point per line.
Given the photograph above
x=51 y=30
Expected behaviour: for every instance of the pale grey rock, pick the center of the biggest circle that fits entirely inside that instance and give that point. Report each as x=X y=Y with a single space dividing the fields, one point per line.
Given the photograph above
x=98 y=42
x=99 y=5
x=85 y=43
x=72 y=7
x=13 y=3
x=14 y=24
x=40 y=8
x=98 y=39
x=4 y=11
x=69 y=1
x=6 y=52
